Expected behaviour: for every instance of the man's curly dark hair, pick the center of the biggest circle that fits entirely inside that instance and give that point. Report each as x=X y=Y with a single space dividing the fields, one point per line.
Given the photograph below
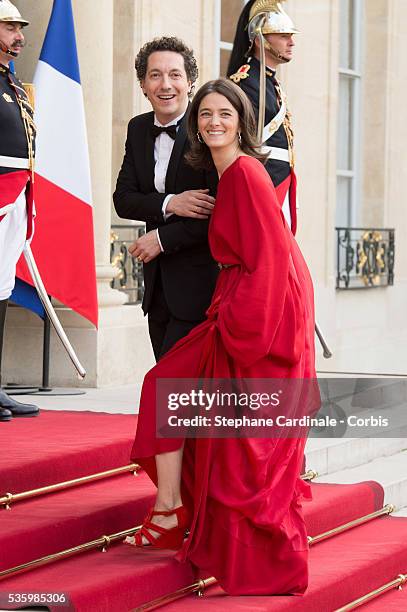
x=166 y=43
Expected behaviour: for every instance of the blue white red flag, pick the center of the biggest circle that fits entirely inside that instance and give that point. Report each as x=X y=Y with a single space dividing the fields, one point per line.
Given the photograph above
x=26 y=296
x=63 y=243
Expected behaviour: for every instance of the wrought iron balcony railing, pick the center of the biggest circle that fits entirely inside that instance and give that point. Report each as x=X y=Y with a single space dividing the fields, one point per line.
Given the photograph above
x=130 y=279
x=365 y=257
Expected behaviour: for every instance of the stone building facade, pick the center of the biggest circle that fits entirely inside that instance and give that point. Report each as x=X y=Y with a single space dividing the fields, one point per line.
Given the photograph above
x=346 y=91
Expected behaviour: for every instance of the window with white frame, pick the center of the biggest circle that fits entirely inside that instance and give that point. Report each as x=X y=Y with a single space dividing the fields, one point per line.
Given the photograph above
x=227 y=18
x=349 y=120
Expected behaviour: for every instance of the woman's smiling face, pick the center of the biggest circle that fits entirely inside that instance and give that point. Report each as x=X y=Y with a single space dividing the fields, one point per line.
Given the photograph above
x=218 y=121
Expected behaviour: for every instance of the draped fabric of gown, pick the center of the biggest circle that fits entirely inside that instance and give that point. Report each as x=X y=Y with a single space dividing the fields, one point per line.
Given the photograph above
x=244 y=494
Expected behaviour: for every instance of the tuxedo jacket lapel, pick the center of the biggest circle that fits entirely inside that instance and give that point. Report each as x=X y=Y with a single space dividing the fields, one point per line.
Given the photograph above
x=176 y=155
x=149 y=152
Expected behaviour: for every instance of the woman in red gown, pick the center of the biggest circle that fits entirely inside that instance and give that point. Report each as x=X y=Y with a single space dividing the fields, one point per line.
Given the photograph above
x=240 y=498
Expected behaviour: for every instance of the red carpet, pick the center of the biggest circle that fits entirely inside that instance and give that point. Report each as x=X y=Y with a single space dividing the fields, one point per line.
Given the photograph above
x=116 y=581
x=341 y=570
x=334 y=505
x=58 y=446
x=42 y=526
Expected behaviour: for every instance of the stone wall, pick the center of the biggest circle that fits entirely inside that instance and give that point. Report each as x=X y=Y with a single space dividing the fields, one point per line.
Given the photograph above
x=365 y=329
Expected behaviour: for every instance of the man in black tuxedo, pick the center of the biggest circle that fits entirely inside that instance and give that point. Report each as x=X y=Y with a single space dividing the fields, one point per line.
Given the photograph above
x=156 y=185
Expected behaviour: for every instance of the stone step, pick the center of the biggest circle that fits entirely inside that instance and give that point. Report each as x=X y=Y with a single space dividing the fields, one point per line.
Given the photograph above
x=390 y=472
x=327 y=455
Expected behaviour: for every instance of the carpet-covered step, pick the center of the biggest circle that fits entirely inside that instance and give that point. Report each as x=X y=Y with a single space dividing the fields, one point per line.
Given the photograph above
x=333 y=505
x=46 y=525
x=61 y=521
x=116 y=581
x=56 y=522
x=341 y=570
x=390 y=472
x=327 y=455
x=59 y=446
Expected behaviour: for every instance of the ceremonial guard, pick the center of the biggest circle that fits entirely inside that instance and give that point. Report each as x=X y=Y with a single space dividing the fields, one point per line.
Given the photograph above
x=263 y=41
x=17 y=144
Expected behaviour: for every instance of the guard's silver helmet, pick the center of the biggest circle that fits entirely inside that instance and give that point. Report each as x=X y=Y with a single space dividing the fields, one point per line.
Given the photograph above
x=10 y=13
x=270 y=18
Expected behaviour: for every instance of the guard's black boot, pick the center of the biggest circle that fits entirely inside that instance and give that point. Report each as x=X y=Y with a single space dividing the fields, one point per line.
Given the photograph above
x=5 y=415
x=17 y=408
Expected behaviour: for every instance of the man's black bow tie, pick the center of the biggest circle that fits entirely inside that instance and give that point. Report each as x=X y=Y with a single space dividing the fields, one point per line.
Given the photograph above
x=171 y=130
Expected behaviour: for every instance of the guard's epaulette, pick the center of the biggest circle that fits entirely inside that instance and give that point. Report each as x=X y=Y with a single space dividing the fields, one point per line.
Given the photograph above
x=241 y=74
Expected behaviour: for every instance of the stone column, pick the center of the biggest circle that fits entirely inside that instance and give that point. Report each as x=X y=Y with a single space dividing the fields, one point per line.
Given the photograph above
x=96 y=65
x=94 y=39
x=118 y=352
x=108 y=35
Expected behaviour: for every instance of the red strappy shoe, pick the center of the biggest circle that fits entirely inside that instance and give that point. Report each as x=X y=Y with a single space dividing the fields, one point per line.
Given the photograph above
x=169 y=538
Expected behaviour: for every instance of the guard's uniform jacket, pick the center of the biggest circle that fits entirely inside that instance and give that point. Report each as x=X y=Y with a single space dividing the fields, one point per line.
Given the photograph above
x=17 y=144
x=277 y=134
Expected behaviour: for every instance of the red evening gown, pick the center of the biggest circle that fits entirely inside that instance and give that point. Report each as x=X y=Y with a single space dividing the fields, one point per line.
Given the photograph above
x=244 y=494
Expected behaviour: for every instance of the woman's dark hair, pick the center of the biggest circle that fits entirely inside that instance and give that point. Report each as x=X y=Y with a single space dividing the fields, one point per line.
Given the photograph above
x=241 y=43
x=166 y=43
x=199 y=155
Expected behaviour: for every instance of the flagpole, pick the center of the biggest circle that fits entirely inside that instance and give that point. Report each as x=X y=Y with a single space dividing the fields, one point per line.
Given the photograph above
x=45 y=389
x=45 y=355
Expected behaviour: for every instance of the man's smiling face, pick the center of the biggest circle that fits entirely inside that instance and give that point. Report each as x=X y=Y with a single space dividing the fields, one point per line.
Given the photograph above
x=166 y=85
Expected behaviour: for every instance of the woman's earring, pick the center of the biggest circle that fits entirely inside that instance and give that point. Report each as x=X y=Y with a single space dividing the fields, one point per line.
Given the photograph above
x=239 y=137
x=198 y=135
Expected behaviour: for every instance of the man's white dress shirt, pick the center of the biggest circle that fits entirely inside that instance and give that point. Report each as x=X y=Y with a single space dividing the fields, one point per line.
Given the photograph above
x=163 y=147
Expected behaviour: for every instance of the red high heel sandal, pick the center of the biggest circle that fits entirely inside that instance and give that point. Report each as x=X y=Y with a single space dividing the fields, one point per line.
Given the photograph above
x=169 y=538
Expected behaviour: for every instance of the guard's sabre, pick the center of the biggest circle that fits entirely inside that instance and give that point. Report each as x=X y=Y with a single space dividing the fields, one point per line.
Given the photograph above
x=327 y=352
x=39 y=285
x=262 y=85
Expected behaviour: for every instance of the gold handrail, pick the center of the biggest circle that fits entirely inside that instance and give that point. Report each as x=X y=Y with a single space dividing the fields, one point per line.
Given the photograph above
x=103 y=543
x=397 y=583
x=11 y=498
x=198 y=588
x=346 y=526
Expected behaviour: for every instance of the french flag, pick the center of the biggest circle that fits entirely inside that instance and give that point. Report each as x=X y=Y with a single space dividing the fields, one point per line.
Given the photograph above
x=63 y=244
